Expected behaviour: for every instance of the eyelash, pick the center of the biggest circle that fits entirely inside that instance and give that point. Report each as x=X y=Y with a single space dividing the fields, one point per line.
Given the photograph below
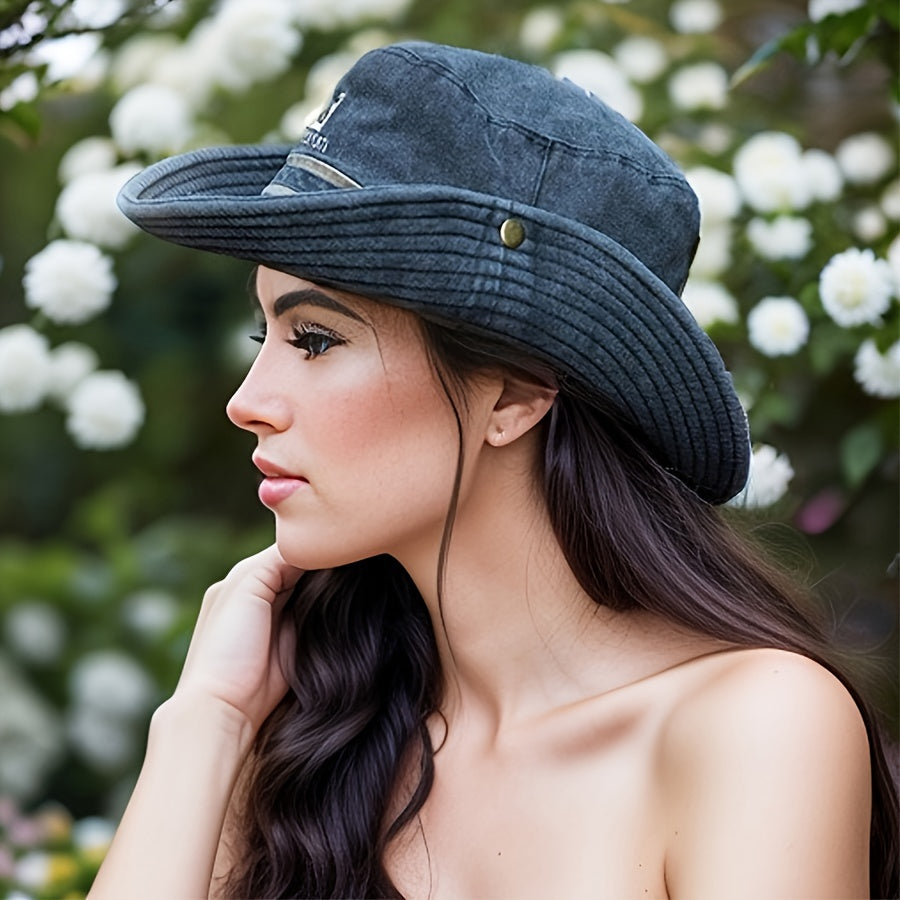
x=308 y=337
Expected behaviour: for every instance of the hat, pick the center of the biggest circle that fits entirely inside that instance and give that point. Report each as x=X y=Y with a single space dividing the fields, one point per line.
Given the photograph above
x=476 y=189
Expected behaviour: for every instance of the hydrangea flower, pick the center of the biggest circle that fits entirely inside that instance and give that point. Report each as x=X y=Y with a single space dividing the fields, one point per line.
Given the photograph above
x=777 y=326
x=35 y=632
x=70 y=364
x=709 y=302
x=22 y=89
x=785 y=237
x=24 y=368
x=855 y=287
x=69 y=281
x=641 y=58
x=112 y=681
x=869 y=224
x=770 y=474
x=695 y=16
x=865 y=158
x=717 y=192
x=771 y=174
x=699 y=86
x=599 y=73
x=151 y=118
x=539 y=29
x=878 y=373
x=256 y=41
x=104 y=411
x=714 y=251
x=91 y=154
x=823 y=175
x=86 y=207
x=818 y=9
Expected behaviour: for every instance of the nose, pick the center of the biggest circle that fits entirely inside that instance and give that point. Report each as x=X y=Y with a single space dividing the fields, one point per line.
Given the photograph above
x=257 y=405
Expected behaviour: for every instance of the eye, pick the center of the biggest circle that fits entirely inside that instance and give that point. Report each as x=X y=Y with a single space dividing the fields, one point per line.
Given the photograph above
x=314 y=339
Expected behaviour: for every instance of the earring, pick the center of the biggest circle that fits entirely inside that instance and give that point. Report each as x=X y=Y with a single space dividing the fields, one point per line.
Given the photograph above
x=497 y=439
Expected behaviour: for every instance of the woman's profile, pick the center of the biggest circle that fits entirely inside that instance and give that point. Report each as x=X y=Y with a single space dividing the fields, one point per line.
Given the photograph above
x=504 y=644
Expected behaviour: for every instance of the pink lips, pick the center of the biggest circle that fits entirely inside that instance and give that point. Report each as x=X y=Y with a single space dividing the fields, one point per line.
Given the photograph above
x=277 y=485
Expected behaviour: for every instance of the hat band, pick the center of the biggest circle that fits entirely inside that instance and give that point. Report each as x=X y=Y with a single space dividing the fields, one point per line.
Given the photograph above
x=314 y=166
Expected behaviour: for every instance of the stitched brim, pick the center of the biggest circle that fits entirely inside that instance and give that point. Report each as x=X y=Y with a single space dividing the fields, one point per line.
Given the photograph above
x=569 y=293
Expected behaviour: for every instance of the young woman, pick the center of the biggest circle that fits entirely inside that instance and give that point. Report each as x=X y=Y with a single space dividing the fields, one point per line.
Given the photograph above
x=504 y=645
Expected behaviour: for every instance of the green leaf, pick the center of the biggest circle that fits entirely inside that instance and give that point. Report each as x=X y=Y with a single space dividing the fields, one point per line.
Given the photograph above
x=860 y=452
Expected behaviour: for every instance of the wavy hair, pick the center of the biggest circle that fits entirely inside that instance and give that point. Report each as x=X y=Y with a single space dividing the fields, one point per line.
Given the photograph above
x=320 y=804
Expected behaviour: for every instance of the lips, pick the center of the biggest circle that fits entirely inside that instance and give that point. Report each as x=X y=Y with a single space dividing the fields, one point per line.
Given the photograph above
x=278 y=484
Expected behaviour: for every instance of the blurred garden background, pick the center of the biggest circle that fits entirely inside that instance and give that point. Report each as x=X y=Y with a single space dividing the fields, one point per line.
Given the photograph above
x=124 y=491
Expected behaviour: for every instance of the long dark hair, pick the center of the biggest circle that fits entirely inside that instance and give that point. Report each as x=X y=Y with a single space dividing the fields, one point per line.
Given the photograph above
x=320 y=803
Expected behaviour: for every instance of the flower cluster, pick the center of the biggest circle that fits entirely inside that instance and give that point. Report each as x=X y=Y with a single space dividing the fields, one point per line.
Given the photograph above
x=47 y=853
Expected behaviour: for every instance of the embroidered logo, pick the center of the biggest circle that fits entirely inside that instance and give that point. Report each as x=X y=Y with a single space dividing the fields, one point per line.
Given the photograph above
x=313 y=136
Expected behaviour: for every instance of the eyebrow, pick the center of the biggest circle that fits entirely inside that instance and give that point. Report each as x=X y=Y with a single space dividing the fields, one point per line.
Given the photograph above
x=306 y=297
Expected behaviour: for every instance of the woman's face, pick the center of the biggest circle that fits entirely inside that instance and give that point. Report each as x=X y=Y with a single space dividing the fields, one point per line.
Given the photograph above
x=356 y=437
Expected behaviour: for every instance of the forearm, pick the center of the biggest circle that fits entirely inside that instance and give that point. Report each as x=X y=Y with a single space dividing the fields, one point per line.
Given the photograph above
x=166 y=843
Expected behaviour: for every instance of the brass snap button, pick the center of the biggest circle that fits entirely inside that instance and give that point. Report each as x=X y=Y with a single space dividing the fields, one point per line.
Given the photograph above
x=512 y=233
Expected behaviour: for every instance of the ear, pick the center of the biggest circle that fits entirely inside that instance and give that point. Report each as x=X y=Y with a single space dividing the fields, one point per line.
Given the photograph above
x=521 y=405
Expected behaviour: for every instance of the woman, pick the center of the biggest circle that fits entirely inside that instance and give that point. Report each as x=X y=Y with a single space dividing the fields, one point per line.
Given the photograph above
x=503 y=645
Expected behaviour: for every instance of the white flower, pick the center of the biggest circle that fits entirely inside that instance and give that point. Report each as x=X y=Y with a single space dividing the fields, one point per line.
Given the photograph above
x=865 y=158
x=24 y=368
x=709 y=302
x=695 y=16
x=151 y=118
x=92 y=834
x=878 y=373
x=104 y=411
x=35 y=632
x=29 y=735
x=770 y=173
x=869 y=224
x=823 y=175
x=297 y=117
x=818 y=9
x=106 y=742
x=70 y=364
x=111 y=681
x=150 y=613
x=599 y=74
x=785 y=237
x=69 y=281
x=137 y=58
x=777 y=326
x=890 y=200
x=96 y=13
x=770 y=475
x=715 y=138
x=642 y=59
x=699 y=86
x=191 y=69
x=33 y=871
x=720 y=200
x=539 y=29
x=87 y=211
x=257 y=40
x=67 y=57
x=893 y=261
x=324 y=74
x=22 y=89
x=714 y=251
x=91 y=154
x=855 y=287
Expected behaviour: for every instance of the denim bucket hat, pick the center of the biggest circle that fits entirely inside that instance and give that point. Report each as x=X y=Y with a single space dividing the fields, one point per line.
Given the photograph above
x=475 y=189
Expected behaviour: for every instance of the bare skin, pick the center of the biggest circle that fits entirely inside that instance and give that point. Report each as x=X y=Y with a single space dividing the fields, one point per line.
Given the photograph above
x=583 y=753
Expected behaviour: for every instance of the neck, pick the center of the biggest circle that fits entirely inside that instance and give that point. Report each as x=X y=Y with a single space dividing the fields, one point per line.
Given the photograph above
x=517 y=635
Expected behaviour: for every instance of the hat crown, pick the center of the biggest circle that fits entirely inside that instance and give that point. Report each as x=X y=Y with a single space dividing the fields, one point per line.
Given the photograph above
x=418 y=113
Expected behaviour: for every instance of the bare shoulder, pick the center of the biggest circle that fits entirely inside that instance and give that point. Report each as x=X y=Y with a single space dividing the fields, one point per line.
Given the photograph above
x=773 y=745
x=781 y=696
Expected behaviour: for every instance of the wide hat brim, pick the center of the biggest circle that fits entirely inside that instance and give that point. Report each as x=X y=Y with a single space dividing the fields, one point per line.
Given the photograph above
x=569 y=293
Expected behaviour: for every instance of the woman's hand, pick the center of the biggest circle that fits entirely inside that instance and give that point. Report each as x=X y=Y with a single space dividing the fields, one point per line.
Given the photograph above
x=240 y=639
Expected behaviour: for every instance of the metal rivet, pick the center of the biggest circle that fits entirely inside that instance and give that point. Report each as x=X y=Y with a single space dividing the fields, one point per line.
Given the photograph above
x=512 y=233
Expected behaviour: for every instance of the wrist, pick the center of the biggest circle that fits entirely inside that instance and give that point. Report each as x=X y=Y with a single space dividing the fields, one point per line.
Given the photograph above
x=190 y=717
